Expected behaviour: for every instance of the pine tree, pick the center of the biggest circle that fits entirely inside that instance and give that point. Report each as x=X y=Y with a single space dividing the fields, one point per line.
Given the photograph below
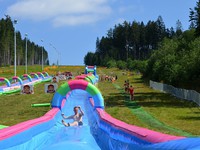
x=7 y=46
x=195 y=18
x=179 y=28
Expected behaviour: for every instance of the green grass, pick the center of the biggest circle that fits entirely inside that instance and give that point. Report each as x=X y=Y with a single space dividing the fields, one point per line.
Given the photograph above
x=150 y=109
x=166 y=113
x=173 y=112
x=8 y=72
x=15 y=108
x=115 y=99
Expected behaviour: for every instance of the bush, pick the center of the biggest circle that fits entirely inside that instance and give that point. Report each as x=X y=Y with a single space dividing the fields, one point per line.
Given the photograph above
x=176 y=61
x=121 y=64
x=137 y=65
x=111 y=64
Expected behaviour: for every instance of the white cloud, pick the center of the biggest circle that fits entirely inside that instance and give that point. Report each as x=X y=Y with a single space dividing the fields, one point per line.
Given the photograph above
x=124 y=9
x=74 y=20
x=134 y=6
x=61 y=12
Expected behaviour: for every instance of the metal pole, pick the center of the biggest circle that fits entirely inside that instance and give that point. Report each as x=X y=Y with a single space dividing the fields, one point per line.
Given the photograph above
x=57 y=53
x=42 y=59
x=57 y=58
x=42 y=56
x=60 y=57
x=26 y=52
x=126 y=50
x=15 y=22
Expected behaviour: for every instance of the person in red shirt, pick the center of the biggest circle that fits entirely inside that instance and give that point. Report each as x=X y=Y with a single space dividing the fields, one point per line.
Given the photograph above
x=131 y=91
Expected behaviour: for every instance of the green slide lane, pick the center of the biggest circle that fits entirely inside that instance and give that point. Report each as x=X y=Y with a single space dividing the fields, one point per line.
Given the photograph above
x=147 y=118
x=2 y=126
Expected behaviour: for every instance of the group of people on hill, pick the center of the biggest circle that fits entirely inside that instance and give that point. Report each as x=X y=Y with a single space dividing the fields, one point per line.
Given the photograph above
x=108 y=78
x=129 y=89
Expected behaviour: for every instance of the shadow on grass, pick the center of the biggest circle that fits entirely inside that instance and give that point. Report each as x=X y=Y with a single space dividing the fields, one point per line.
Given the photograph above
x=196 y=112
x=189 y=118
x=150 y=99
x=154 y=99
x=115 y=99
x=120 y=100
x=132 y=104
x=137 y=80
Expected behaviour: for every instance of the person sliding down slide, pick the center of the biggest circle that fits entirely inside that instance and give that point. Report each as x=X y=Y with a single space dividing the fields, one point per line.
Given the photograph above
x=77 y=117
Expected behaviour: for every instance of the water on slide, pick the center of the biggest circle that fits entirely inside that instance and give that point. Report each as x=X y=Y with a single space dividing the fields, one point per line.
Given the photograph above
x=78 y=138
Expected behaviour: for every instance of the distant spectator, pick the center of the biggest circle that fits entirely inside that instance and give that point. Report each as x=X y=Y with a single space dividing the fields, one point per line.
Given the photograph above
x=106 y=78
x=125 y=86
x=131 y=92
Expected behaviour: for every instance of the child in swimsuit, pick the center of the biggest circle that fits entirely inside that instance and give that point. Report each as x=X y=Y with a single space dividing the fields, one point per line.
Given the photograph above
x=131 y=91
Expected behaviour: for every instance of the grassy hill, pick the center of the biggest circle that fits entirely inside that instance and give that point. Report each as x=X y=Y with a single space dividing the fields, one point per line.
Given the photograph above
x=150 y=109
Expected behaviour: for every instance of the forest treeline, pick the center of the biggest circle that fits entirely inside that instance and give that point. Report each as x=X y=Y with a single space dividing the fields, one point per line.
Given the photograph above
x=130 y=41
x=170 y=55
x=34 y=54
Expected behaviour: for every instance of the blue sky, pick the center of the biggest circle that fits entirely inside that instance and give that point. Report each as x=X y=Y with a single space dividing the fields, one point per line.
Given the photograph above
x=72 y=26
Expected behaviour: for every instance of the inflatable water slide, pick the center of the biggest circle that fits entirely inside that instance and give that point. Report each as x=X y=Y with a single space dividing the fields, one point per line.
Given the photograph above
x=91 y=69
x=99 y=129
x=14 y=84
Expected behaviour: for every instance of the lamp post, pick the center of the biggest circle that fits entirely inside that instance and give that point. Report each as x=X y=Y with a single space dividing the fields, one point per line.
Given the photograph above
x=127 y=46
x=26 y=52
x=42 y=55
x=58 y=56
x=15 y=22
x=57 y=53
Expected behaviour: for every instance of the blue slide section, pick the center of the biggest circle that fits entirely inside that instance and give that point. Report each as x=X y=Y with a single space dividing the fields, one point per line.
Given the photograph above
x=62 y=138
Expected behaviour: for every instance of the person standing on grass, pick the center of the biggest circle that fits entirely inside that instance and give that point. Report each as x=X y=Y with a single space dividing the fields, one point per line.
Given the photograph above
x=125 y=86
x=131 y=92
x=77 y=117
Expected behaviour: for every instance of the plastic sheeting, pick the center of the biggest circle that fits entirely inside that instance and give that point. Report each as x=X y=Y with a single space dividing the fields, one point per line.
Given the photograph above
x=189 y=95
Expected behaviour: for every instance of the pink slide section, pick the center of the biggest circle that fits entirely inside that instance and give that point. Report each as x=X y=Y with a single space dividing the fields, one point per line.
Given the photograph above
x=142 y=133
x=13 y=130
x=78 y=84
